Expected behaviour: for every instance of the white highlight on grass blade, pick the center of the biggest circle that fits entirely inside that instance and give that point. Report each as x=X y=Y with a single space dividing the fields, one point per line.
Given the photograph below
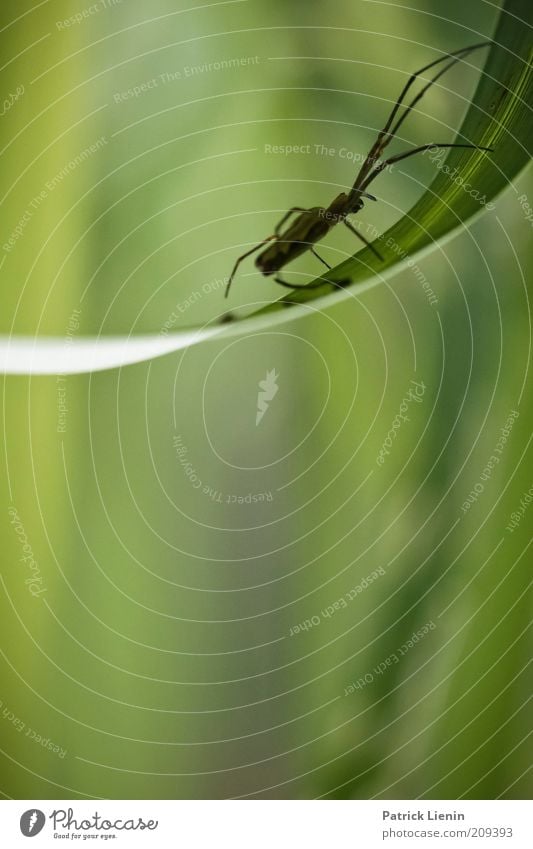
x=34 y=356
x=81 y=355
x=49 y=355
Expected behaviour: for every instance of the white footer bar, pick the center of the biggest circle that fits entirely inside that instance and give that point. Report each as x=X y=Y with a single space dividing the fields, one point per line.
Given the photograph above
x=267 y=824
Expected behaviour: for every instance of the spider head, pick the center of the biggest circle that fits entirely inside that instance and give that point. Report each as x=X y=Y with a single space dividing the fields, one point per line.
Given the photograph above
x=356 y=198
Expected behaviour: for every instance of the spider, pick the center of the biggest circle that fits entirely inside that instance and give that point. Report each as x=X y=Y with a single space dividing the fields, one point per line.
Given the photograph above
x=311 y=225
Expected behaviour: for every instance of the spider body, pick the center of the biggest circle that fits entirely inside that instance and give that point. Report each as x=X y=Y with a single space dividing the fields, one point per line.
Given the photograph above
x=310 y=226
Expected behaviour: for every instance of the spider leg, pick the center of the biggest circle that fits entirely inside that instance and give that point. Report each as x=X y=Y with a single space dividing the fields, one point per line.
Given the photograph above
x=363 y=239
x=399 y=156
x=386 y=135
x=455 y=57
x=305 y=285
x=288 y=285
x=240 y=259
x=323 y=261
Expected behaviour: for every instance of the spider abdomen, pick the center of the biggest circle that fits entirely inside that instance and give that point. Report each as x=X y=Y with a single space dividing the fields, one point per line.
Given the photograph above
x=307 y=229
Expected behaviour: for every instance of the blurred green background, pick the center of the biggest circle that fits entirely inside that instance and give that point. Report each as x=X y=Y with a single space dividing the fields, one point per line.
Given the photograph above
x=173 y=543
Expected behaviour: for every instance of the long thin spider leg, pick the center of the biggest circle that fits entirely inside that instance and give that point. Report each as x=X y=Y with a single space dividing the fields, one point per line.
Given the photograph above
x=399 y=156
x=363 y=239
x=240 y=259
x=421 y=94
x=320 y=282
x=458 y=54
x=287 y=215
x=385 y=135
x=314 y=285
x=305 y=285
x=323 y=261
